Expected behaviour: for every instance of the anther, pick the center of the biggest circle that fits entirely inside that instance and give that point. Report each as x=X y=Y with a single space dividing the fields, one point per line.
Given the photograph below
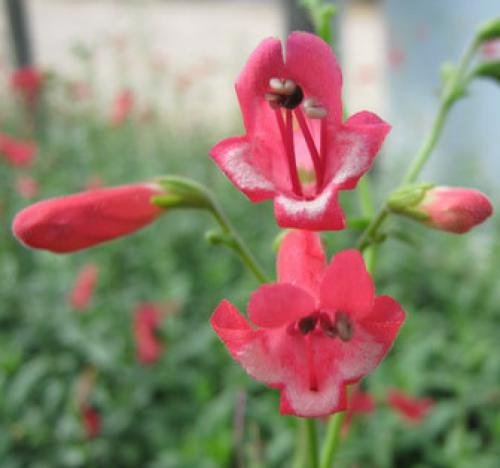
x=344 y=326
x=327 y=327
x=307 y=324
x=313 y=110
x=287 y=93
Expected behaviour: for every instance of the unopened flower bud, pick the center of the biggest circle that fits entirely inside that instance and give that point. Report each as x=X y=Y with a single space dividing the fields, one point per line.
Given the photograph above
x=451 y=209
x=75 y=222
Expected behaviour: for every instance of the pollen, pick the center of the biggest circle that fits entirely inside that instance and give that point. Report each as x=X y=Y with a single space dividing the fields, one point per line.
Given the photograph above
x=314 y=110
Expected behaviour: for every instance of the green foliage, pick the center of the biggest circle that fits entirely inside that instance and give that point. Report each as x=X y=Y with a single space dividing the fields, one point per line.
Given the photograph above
x=321 y=13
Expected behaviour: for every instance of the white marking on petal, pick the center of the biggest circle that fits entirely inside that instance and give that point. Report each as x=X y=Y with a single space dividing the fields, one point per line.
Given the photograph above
x=310 y=209
x=243 y=173
x=356 y=159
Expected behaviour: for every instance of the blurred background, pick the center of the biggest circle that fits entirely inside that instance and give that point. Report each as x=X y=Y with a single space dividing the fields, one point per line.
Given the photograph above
x=97 y=93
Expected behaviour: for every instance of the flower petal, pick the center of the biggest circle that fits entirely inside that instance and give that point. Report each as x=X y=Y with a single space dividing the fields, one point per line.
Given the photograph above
x=355 y=146
x=234 y=159
x=319 y=214
x=276 y=305
x=311 y=63
x=301 y=260
x=247 y=346
x=265 y=62
x=384 y=320
x=347 y=286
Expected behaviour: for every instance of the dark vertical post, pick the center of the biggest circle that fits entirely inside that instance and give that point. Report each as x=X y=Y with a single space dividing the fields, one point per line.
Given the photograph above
x=297 y=18
x=20 y=40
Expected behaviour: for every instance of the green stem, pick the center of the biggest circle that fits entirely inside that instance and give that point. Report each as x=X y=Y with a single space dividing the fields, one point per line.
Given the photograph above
x=332 y=440
x=312 y=443
x=451 y=93
x=236 y=243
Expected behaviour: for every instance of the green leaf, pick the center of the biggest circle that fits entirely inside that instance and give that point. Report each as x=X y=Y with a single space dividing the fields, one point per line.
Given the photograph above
x=488 y=70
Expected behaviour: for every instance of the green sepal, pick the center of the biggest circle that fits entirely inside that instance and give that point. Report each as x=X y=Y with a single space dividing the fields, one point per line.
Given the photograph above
x=216 y=237
x=405 y=200
x=358 y=224
x=489 y=30
x=181 y=192
x=488 y=70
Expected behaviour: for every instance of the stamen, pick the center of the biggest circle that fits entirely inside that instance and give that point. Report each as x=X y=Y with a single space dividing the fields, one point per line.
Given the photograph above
x=317 y=163
x=313 y=110
x=287 y=138
x=344 y=326
x=322 y=143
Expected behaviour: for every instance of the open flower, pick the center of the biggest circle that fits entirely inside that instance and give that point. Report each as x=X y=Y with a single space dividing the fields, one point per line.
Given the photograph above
x=319 y=328
x=75 y=222
x=297 y=150
x=82 y=291
x=146 y=322
x=413 y=409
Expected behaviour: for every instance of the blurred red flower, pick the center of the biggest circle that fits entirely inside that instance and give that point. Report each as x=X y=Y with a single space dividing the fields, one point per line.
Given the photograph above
x=121 y=107
x=17 y=152
x=359 y=402
x=146 y=322
x=26 y=186
x=91 y=420
x=27 y=82
x=413 y=409
x=84 y=286
x=318 y=329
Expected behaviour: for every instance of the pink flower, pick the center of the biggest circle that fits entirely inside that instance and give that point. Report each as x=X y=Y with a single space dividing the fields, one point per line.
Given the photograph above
x=454 y=209
x=26 y=186
x=81 y=295
x=74 y=222
x=121 y=107
x=91 y=420
x=297 y=150
x=316 y=330
x=17 y=152
x=414 y=410
x=27 y=81
x=146 y=322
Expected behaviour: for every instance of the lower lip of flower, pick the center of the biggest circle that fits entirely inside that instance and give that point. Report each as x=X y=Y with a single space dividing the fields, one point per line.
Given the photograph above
x=286 y=98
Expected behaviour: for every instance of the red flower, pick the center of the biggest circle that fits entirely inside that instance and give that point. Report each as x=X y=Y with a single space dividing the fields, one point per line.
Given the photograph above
x=17 y=152
x=296 y=149
x=91 y=420
x=414 y=410
x=74 y=222
x=146 y=322
x=454 y=209
x=121 y=107
x=27 y=81
x=83 y=289
x=318 y=329
x=26 y=186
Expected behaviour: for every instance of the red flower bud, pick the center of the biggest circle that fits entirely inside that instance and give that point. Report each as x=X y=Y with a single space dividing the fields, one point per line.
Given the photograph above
x=74 y=222
x=455 y=209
